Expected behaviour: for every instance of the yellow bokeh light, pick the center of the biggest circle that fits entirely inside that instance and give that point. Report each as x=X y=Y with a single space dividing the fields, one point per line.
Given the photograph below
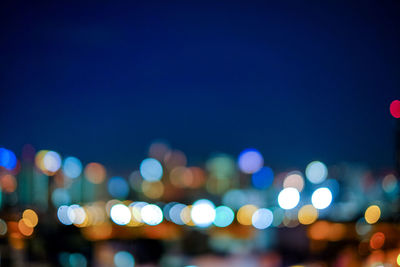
x=307 y=214
x=153 y=190
x=245 y=214
x=372 y=214
x=398 y=259
x=30 y=218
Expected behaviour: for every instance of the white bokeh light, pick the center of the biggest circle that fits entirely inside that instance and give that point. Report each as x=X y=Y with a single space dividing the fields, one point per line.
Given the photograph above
x=203 y=212
x=151 y=214
x=151 y=170
x=262 y=218
x=321 y=198
x=120 y=214
x=316 y=172
x=76 y=214
x=52 y=161
x=288 y=198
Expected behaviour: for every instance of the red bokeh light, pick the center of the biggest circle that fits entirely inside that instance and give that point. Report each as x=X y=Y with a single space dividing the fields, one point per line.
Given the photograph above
x=395 y=109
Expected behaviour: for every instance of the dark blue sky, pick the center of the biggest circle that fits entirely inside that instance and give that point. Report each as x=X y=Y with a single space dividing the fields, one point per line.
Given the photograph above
x=298 y=81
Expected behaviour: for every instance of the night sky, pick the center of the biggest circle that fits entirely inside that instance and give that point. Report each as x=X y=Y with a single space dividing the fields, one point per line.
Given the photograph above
x=298 y=81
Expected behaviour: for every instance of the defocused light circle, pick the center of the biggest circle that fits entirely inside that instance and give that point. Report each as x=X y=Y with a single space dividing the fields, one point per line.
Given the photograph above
x=307 y=214
x=395 y=109
x=263 y=178
x=124 y=259
x=60 y=196
x=372 y=214
x=377 y=240
x=203 y=212
x=8 y=159
x=3 y=227
x=72 y=167
x=151 y=214
x=118 y=187
x=120 y=214
x=151 y=170
x=77 y=260
x=76 y=214
x=95 y=172
x=250 y=161
x=223 y=216
x=175 y=213
x=52 y=161
x=362 y=227
x=245 y=214
x=294 y=180
x=62 y=214
x=321 y=198
x=262 y=218
x=316 y=172
x=288 y=198
x=30 y=218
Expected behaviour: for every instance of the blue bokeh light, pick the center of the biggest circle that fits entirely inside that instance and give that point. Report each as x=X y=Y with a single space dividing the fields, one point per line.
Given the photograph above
x=72 y=167
x=124 y=259
x=8 y=159
x=263 y=178
x=250 y=160
x=151 y=170
x=118 y=187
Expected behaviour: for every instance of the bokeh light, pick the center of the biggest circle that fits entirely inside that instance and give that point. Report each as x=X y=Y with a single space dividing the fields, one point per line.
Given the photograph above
x=294 y=179
x=223 y=216
x=307 y=214
x=234 y=198
x=30 y=218
x=62 y=215
x=120 y=214
x=250 y=160
x=76 y=214
x=262 y=218
x=175 y=213
x=52 y=161
x=8 y=183
x=263 y=178
x=77 y=260
x=151 y=170
x=390 y=183
x=124 y=259
x=321 y=198
x=24 y=229
x=395 y=109
x=72 y=167
x=153 y=190
x=118 y=187
x=221 y=166
x=8 y=159
x=3 y=227
x=288 y=198
x=203 y=212
x=245 y=214
x=60 y=196
x=95 y=172
x=316 y=172
x=151 y=214
x=377 y=240
x=372 y=214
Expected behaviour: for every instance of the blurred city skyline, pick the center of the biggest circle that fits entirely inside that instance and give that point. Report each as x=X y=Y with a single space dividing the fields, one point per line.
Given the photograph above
x=299 y=83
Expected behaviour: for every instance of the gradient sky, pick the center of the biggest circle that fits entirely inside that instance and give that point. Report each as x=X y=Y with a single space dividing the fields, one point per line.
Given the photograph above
x=298 y=81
